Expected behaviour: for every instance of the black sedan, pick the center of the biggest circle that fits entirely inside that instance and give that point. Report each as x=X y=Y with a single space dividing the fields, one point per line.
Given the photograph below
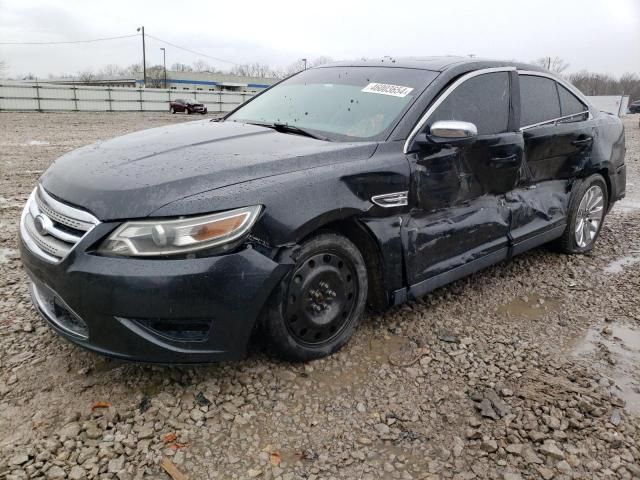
x=634 y=107
x=355 y=183
x=188 y=106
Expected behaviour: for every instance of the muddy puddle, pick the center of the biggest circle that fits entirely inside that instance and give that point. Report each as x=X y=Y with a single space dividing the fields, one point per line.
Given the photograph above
x=631 y=202
x=615 y=352
x=620 y=264
x=372 y=354
x=530 y=307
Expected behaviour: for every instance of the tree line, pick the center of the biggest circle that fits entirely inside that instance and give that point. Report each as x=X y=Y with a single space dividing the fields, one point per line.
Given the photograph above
x=589 y=83
x=155 y=73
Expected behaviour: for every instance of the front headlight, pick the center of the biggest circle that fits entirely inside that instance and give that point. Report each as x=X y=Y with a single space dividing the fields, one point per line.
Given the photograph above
x=146 y=238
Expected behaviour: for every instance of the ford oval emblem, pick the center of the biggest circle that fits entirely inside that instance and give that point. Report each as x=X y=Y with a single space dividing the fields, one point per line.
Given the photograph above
x=41 y=225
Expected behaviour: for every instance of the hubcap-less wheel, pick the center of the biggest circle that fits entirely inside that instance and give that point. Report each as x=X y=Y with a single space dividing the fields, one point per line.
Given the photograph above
x=589 y=216
x=321 y=298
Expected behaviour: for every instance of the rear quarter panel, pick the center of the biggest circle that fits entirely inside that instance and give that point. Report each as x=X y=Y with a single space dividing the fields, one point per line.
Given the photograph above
x=609 y=153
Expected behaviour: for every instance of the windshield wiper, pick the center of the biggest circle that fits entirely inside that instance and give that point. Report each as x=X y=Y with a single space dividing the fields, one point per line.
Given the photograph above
x=286 y=128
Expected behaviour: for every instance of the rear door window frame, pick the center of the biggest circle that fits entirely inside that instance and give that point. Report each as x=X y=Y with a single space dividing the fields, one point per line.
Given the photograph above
x=562 y=118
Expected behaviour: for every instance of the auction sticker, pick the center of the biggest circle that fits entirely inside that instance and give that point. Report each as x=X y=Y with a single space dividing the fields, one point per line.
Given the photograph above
x=386 y=89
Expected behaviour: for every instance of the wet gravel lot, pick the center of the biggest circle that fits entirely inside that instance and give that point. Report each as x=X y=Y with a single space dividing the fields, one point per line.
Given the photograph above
x=530 y=369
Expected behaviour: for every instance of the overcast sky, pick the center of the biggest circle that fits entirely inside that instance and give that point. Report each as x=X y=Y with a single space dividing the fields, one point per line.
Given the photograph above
x=598 y=35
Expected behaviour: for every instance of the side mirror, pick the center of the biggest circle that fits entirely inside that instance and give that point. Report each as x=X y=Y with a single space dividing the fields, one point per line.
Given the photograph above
x=449 y=131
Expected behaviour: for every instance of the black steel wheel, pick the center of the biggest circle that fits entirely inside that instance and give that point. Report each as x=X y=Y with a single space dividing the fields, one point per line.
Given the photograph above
x=317 y=307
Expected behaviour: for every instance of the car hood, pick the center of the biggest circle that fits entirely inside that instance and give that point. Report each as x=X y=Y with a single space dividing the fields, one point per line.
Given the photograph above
x=134 y=175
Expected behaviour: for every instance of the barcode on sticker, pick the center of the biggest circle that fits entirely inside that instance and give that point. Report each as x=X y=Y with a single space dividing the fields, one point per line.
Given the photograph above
x=387 y=89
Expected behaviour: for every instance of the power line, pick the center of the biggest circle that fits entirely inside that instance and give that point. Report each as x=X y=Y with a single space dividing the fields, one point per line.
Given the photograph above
x=119 y=37
x=70 y=42
x=193 y=51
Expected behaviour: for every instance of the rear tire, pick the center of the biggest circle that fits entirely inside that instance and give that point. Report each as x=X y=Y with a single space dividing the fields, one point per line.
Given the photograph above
x=318 y=305
x=587 y=210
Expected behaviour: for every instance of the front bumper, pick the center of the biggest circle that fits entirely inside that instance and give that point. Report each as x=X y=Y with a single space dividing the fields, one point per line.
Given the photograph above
x=160 y=311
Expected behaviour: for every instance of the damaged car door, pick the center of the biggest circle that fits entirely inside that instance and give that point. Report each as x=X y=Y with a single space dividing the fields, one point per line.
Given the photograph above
x=558 y=133
x=467 y=156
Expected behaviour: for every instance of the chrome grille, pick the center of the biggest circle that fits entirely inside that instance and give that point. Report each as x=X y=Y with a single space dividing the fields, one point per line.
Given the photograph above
x=50 y=228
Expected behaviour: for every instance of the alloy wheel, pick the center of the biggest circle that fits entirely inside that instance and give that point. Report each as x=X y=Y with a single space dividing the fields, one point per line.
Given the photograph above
x=589 y=216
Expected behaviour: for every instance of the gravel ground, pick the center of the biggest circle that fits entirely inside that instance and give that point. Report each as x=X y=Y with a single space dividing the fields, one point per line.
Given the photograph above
x=528 y=369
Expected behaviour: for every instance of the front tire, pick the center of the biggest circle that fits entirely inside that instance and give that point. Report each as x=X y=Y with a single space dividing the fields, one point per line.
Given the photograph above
x=587 y=209
x=172 y=110
x=317 y=307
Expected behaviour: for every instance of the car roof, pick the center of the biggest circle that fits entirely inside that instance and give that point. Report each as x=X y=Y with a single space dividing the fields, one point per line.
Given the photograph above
x=435 y=64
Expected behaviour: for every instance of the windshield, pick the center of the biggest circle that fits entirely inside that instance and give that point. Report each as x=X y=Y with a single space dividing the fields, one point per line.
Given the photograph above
x=341 y=103
x=190 y=101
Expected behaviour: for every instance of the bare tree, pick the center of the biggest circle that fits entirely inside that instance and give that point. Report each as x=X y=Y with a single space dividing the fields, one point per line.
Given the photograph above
x=321 y=61
x=630 y=84
x=110 y=70
x=201 y=66
x=155 y=76
x=591 y=83
x=132 y=69
x=555 y=64
x=253 y=70
x=299 y=65
x=292 y=68
x=181 y=67
x=240 y=70
x=86 y=76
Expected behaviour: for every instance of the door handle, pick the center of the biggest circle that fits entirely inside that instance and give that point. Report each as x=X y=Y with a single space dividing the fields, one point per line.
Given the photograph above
x=502 y=162
x=582 y=141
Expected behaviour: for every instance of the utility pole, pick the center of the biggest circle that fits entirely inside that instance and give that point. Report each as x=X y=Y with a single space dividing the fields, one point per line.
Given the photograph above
x=144 y=59
x=305 y=63
x=164 y=63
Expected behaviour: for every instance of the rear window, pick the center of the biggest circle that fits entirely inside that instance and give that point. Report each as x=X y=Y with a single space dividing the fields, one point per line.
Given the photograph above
x=569 y=103
x=538 y=100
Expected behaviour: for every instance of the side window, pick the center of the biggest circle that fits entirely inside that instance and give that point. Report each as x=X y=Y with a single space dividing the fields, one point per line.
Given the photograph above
x=570 y=104
x=481 y=100
x=538 y=100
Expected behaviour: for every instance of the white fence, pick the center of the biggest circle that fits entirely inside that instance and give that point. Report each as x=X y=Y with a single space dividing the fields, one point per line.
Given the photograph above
x=47 y=98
